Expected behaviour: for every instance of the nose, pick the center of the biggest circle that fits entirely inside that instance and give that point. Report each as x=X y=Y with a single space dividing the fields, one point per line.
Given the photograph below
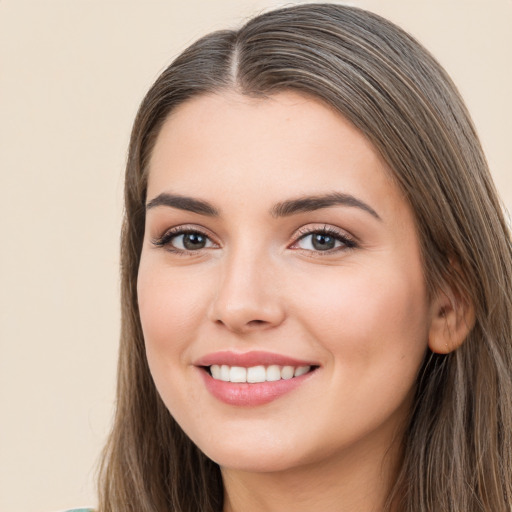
x=248 y=297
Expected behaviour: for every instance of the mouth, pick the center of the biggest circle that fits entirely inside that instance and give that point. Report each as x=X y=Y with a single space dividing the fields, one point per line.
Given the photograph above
x=256 y=374
x=253 y=378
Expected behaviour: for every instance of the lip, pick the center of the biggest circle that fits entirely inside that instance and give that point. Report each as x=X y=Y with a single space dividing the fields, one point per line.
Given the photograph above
x=252 y=358
x=254 y=394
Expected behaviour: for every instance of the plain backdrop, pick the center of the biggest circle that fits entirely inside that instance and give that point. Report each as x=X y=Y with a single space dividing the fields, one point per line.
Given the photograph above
x=72 y=73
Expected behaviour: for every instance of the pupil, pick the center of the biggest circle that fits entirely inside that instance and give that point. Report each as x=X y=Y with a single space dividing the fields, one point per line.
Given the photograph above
x=194 y=241
x=323 y=242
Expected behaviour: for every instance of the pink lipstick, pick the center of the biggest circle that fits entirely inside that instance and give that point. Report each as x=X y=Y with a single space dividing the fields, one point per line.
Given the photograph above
x=252 y=378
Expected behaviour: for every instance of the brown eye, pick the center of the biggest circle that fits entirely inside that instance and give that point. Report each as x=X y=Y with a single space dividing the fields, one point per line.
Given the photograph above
x=185 y=241
x=319 y=242
x=322 y=242
x=193 y=241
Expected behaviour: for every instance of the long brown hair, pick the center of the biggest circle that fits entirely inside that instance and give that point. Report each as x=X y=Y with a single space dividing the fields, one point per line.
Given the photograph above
x=458 y=445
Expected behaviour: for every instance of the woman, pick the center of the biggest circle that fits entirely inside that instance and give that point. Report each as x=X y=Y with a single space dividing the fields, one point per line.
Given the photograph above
x=316 y=282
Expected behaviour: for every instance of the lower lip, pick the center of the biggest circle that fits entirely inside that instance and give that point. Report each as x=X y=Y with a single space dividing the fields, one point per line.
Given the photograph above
x=244 y=394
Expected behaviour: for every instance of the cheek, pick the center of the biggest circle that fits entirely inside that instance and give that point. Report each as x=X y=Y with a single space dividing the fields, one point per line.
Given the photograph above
x=370 y=320
x=171 y=305
x=375 y=331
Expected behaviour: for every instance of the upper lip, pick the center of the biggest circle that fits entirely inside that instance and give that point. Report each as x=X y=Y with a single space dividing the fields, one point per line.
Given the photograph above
x=248 y=359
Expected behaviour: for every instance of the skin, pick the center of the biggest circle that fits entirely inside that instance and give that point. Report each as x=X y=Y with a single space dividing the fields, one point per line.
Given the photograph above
x=360 y=313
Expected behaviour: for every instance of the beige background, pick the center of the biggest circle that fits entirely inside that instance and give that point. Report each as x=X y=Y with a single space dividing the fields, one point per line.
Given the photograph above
x=72 y=73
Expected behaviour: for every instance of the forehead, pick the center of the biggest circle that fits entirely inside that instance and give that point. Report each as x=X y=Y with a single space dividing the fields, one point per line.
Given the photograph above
x=287 y=144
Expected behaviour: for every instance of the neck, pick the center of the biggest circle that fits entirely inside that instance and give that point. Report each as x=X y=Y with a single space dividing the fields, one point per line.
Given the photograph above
x=358 y=481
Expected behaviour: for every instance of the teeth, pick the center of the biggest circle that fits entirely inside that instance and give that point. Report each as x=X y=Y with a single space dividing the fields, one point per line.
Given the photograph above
x=215 y=371
x=301 y=370
x=273 y=373
x=287 y=372
x=224 y=373
x=237 y=374
x=255 y=374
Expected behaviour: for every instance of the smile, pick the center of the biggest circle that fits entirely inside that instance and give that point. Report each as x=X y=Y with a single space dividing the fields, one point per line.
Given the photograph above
x=256 y=374
x=253 y=378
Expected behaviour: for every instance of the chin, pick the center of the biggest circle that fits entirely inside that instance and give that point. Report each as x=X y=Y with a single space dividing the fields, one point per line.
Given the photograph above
x=258 y=455
x=254 y=462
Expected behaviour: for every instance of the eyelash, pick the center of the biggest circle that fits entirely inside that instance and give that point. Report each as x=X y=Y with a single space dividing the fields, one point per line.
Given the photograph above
x=166 y=239
x=347 y=242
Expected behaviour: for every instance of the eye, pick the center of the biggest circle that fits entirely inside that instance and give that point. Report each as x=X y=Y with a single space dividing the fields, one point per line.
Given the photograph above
x=326 y=239
x=190 y=241
x=181 y=240
x=318 y=242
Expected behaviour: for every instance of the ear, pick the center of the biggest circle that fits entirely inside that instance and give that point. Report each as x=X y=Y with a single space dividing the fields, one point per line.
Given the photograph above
x=452 y=319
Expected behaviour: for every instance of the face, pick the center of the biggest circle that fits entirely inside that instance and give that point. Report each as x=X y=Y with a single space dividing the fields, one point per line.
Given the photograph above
x=280 y=287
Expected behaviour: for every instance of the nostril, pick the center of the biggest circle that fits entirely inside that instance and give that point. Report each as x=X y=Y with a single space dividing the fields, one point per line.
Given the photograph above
x=255 y=323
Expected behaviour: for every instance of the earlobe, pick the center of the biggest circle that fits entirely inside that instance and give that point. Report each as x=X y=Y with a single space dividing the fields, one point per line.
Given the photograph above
x=452 y=320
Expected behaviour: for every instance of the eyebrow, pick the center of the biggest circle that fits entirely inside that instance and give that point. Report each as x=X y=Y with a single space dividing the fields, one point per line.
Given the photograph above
x=312 y=203
x=183 y=203
x=282 y=209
